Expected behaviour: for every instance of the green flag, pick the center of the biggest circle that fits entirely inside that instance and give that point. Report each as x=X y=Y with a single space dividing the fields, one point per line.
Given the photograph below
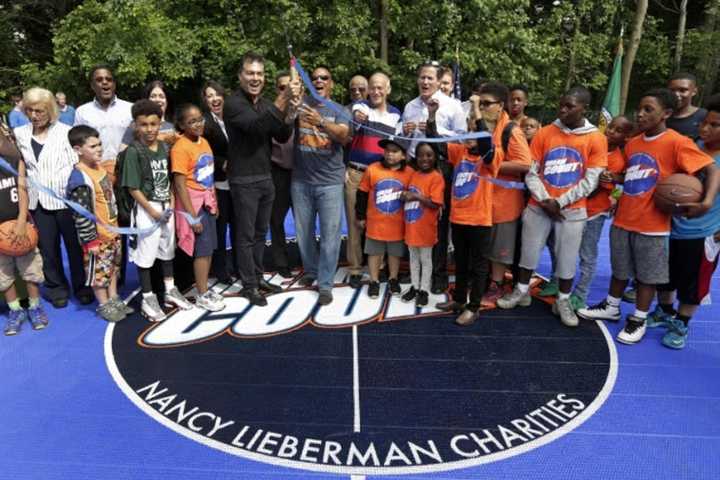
x=611 y=104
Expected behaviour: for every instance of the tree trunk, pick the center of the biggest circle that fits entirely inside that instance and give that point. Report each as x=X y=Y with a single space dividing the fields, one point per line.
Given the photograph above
x=709 y=63
x=384 y=30
x=680 y=35
x=631 y=51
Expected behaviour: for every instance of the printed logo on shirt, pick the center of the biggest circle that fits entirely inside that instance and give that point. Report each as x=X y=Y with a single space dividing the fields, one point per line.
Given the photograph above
x=641 y=175
x=387 y=195
x=204 y=170
x=413 y=210
x=562 y=167
x=465 y=180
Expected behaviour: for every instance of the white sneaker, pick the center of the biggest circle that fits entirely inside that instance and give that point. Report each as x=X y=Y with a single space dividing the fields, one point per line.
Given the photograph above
x=633 y=332
x=513 y=299
x=150 y=307
x=208 y=301
x=173 y=298
x=216 y=296
x=601 y=311
x=563 y=308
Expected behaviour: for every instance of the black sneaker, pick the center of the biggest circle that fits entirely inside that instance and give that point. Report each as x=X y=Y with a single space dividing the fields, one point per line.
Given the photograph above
x=306 y=281
x=374 y=290
x=325 y=297
x=422 y=298
x=409 y=295
x=439 y=285
x=394 y=285
x=355 y=281
x=254 y=296
x=285 y=272
x=268 y=287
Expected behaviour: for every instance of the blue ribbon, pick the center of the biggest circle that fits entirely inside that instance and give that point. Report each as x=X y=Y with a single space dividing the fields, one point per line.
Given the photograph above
x=91 y=216
x=339 y=110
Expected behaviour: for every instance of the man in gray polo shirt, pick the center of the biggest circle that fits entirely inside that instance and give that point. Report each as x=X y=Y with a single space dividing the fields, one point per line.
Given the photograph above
x=317 y=185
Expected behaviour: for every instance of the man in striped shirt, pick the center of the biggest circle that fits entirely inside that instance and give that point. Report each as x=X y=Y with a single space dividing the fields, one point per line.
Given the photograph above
x=376 y=117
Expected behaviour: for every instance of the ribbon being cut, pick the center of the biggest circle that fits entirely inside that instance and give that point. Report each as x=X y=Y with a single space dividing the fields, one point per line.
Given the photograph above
x=340 y=110
x=89 y=215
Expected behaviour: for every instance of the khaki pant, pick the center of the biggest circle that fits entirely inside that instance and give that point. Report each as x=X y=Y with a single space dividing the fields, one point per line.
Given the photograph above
x=354 y=243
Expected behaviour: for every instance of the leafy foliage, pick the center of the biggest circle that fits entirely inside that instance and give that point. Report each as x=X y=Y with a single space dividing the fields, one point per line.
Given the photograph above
x=541 y=43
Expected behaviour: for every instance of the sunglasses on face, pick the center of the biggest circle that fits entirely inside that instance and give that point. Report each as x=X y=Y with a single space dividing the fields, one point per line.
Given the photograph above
x=486 y=104
x=324 y=78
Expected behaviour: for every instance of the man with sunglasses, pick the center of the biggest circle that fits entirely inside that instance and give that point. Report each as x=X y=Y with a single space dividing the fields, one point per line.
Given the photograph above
x=252 y=121
x=450 y=119
x=317 y=184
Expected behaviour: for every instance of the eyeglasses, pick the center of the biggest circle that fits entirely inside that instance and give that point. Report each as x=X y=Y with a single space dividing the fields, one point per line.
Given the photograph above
x=324 y=78
x=486 y=104
x=195 y=121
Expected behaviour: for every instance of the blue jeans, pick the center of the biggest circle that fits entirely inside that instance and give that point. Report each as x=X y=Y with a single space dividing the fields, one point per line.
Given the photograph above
x=327 y=202
x=588 y=255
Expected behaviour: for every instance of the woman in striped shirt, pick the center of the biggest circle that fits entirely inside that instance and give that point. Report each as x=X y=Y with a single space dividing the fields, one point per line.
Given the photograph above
x=49 y=159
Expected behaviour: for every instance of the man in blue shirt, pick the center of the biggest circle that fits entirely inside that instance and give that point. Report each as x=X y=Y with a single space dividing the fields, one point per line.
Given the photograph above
x=16 y=117
x=67 y=112
x=317 y=185
x=694 y=248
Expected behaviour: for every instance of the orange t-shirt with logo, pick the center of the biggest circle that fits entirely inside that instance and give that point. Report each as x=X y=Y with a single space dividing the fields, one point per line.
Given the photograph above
x=599 y=200
x=508 y=203
x=420 y=220
x=194 y=160
x=563 y=158
x=648 y=162
x=471 y=195
x=105 y=208
x=385 y=214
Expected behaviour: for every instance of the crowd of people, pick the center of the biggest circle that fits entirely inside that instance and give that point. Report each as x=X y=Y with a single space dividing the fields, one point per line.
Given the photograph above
x=240 y=161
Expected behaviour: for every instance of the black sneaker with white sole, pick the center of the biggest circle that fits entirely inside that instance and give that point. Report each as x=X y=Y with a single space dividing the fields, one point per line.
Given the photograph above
x=373 y=290
x=394 y=285
x=409 y=295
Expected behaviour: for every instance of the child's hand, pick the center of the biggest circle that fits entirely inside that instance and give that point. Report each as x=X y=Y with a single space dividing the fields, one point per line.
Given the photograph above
x=422 y=126
x=157 y=216
x=197 y=228
x=409 y=196
x=20 y=229
x=607 y=177
x=432 y=105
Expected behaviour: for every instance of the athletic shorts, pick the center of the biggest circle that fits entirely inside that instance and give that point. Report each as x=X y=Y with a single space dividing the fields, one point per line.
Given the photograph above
x=160 y=243
x=102 y=266
x=379 y=247
x=502 y=242
x=29 y=267
x=206 y=241
x=642 y=257
x=692 y=264
x=535 y=231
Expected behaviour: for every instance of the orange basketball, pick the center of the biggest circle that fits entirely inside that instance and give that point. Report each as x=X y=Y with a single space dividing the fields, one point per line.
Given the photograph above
x=13 y=246
x=677 y=189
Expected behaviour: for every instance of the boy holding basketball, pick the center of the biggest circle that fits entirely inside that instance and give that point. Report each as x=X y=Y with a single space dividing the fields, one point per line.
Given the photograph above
x=638 y=238
x=89 y=185
x=14 y=207
x=694 y=248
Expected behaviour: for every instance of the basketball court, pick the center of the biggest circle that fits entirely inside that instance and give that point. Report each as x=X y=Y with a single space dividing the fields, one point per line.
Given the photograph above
x=360 y=389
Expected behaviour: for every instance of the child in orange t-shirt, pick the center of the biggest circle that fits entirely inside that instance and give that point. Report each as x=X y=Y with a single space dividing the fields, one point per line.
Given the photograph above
x=640 y=231
x=192 y=164
x=423 y=201
x=474 y=163
x=568 y=157
x=599 y=205
x=379 y=211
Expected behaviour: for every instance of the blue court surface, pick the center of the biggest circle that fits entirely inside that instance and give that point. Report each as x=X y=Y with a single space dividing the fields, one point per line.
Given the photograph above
x=361 y=389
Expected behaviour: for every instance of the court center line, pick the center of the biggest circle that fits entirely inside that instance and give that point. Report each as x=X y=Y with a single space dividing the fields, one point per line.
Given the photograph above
x=356 y=382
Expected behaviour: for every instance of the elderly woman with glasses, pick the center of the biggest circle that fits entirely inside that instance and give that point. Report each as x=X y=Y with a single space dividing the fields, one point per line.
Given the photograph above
x=49 y=160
